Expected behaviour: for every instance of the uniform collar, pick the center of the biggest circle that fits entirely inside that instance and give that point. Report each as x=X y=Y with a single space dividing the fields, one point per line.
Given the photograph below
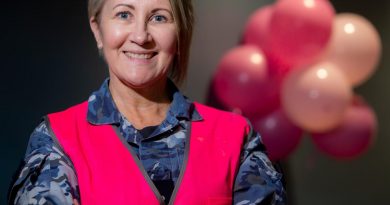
x=102 y=109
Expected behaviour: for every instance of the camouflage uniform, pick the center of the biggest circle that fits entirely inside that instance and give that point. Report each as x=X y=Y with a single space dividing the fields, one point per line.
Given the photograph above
x=48 y=176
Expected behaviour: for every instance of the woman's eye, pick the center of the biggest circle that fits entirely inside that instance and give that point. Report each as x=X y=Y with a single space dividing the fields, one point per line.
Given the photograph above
x=123 y=15
x=159 y=18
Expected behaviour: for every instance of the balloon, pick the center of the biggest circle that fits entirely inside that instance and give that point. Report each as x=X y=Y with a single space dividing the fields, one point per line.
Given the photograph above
x=316 y=98
x=243 y=81
x=280 y=136
x=353 y=137
x=213 y=101
x=257 y=33
x=355 y=47
x=256 y=30
x=300 y=30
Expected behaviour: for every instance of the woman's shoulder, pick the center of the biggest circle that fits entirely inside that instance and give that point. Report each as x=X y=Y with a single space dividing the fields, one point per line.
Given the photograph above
x=213 y=112
x=40 y=140
x=223 y=120
x=83 y=106
x=44 y=163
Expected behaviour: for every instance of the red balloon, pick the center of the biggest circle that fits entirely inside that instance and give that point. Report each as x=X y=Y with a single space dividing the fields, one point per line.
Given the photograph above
x=300 y=30
x=353 y=137
x=213 y=101
x=243 y=81
x=280 y=136
x=257 y=28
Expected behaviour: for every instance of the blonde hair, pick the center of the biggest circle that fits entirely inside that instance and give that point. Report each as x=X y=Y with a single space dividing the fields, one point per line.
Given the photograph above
x=184 y=20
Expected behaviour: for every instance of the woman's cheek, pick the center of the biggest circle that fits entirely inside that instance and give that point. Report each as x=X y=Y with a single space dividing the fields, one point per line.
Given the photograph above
x=170 y=39
x=116 y=36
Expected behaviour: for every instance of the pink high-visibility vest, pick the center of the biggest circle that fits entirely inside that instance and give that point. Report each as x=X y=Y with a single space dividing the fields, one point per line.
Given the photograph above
x=108 y=172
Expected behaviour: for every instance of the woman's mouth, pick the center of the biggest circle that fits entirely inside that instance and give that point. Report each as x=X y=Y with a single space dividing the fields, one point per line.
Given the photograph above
x=140 y=56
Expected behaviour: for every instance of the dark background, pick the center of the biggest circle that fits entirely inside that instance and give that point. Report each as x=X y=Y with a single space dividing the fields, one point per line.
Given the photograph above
x=49 y=61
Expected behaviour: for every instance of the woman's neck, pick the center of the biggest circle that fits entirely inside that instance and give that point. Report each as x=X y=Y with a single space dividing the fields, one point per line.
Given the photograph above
x=142 y=107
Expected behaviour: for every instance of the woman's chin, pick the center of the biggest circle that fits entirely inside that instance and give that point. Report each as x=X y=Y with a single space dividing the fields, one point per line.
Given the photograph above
x=140 y=83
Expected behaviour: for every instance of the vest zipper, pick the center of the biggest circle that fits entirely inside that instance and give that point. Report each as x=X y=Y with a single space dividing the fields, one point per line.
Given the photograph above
x=146 y=176
x=159 y=197
x=183 y=166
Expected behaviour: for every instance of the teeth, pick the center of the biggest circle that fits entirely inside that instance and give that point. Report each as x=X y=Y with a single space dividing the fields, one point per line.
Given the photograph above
x=139 y=56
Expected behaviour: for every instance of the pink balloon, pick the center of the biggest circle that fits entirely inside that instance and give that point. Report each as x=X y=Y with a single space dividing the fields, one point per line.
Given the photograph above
x=355 y=47
x=257 y=33
x=316 y=98
x=300 y=30
x=280 y=136
x=243 y=81
x=257 y=28
x=353 y=137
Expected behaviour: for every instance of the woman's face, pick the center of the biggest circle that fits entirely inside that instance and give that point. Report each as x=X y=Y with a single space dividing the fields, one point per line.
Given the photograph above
x=138 y=38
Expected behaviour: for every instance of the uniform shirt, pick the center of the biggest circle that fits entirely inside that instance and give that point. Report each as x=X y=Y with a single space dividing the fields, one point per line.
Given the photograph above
x=48 y=176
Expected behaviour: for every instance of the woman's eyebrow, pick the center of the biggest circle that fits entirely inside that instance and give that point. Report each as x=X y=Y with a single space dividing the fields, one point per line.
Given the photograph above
x=159 y=9
x=126 y=5
x=153 y=11
x=162 y=9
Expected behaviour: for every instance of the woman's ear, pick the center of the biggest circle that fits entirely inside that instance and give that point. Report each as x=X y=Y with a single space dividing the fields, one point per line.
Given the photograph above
x=94 y=24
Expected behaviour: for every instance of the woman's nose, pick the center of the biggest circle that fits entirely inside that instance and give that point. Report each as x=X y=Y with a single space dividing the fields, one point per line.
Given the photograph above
x=140 y=34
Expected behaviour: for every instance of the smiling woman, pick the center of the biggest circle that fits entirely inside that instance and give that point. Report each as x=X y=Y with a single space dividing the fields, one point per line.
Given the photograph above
x=138 y=140
x=139 y=42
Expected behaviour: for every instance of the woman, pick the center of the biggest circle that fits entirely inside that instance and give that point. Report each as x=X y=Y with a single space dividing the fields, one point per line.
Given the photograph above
x=138 y=140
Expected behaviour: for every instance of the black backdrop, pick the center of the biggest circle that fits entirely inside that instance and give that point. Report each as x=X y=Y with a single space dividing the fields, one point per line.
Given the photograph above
x=49 y=61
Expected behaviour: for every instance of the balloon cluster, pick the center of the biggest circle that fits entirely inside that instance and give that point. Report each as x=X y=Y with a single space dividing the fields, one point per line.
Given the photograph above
x=295 y=71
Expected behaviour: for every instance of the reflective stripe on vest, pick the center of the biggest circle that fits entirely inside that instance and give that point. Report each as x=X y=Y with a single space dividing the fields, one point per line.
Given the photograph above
x=109 y=173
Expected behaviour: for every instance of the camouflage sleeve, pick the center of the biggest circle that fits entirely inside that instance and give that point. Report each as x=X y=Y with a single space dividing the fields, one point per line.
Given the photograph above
x=47 y=176
x=257 y=182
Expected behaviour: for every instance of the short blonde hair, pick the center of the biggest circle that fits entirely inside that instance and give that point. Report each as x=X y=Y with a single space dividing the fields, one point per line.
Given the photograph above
x=184 y=20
